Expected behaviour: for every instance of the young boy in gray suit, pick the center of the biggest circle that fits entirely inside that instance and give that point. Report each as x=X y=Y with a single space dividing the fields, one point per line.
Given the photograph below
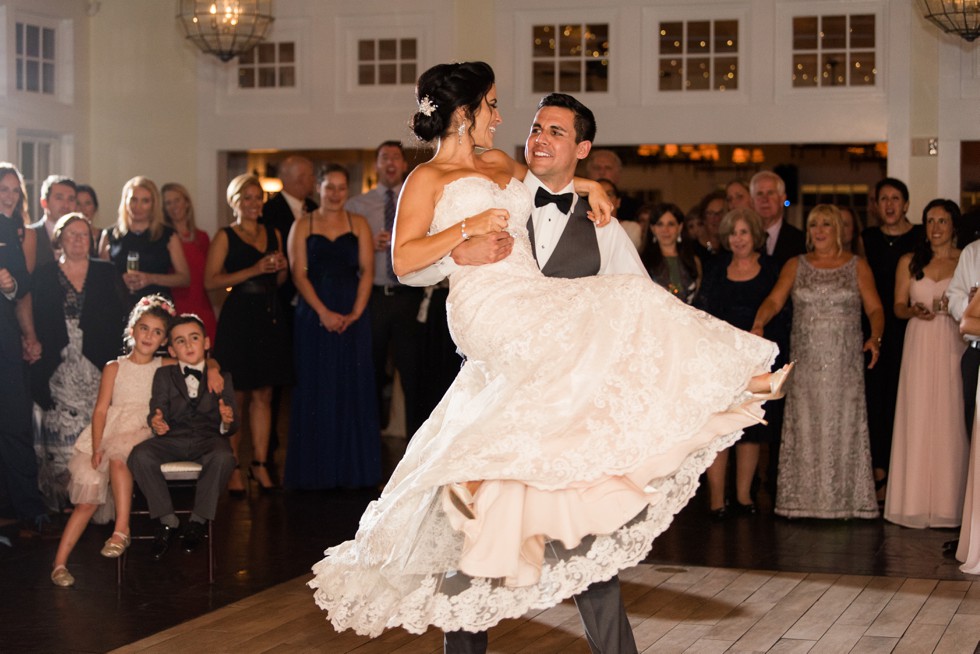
x=190 y=424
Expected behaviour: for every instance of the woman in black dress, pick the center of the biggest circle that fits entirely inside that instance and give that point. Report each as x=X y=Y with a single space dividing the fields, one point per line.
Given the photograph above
x=884 y=246
x=146 y=253
x=668 y=258
x=252 y=341
x=78 y=313
x=733 y=290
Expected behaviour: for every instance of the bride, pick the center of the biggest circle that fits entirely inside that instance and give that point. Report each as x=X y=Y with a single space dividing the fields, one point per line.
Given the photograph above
x=584 y=414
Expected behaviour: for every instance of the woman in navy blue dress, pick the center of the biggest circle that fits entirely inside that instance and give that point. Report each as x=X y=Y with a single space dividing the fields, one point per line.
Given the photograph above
x=334 y=435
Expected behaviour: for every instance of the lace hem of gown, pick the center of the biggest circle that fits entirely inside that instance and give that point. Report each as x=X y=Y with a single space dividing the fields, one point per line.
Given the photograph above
x=371 y=601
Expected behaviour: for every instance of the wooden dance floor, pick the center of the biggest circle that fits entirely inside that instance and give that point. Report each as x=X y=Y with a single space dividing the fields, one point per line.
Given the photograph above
x=672 y=609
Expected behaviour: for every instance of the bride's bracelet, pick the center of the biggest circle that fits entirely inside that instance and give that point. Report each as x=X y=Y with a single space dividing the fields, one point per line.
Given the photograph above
x=462 y=229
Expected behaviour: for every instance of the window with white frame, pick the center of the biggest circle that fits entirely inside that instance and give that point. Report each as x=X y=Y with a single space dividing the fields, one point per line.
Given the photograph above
x=699 y=55
x=386 y=62
x=36 y=157
x=570 y=58
x=268 y=65
x=834 y=50
x=35 y=58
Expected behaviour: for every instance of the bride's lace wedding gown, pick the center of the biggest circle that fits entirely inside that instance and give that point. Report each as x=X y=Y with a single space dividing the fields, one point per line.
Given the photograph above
x=588 y=407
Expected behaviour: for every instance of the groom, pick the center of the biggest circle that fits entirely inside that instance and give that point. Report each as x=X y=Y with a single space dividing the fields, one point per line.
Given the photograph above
x=566 y=244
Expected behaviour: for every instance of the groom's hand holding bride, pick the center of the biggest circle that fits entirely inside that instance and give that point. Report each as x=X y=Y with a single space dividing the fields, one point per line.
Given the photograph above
x=479 y=250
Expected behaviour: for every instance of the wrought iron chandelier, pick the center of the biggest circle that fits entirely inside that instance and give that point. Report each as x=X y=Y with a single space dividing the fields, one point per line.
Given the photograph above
x=225 y=28
x=961 y=17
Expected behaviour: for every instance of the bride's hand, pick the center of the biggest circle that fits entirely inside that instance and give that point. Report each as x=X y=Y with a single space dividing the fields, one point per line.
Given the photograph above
x=602 y=208
x=488 y=222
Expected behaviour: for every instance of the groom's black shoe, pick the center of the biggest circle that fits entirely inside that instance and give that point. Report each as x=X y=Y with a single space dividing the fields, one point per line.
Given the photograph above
x=161 y=541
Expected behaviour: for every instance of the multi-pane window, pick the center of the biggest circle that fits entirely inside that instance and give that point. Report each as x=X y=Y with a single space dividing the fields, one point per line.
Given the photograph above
x=268 y=65
x=571 y=58
x=386 y=61
x=35 y=164
x=834 y=50
x=35 y=58
x=699 y=55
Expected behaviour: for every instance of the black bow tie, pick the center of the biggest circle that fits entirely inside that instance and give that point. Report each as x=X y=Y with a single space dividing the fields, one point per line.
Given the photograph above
x=562 y=201
x=193 y=372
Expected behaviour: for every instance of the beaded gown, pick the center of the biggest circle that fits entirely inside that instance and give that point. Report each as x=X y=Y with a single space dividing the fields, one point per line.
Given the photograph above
x=588 y=407
x=825 y=457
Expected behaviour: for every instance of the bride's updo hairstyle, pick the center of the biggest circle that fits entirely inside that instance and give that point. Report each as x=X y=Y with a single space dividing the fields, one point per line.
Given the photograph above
x=442 y=89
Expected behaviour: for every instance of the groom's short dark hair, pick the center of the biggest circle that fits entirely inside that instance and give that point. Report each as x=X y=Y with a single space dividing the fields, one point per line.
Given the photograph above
x=584 y=118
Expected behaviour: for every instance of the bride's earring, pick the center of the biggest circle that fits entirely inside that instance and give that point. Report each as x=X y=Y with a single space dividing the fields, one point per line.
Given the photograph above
x=460 y=131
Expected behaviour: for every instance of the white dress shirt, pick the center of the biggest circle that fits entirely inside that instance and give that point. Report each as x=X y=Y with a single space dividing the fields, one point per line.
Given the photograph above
x=772 y=235
x=966 y=276
x=193 y=385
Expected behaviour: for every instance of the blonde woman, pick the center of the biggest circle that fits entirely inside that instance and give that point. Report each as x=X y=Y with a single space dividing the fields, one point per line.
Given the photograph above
x=825 y=456
x=252 y=341
x=143 y=249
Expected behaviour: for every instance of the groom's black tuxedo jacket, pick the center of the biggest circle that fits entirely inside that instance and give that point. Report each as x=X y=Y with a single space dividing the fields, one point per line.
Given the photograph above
x=577 y=251
x=185 y=416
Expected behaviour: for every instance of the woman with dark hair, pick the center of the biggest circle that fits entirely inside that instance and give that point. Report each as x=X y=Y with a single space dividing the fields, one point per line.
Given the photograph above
x=883 y=246
x=930 y=451
x=733 y=291
x=580 y=423
x=334 y=436
x=146 y=253
x=669 y=258
x=178 y=213
x=79 y=312
x=252 y=341
x=87 y=203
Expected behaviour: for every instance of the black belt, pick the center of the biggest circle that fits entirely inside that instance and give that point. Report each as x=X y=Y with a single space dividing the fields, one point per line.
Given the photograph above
x=394 y=289
x=256 y=286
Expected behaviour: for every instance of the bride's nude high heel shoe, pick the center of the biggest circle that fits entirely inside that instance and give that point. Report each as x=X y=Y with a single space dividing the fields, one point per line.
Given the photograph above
x=462 y=499
x=777 y=390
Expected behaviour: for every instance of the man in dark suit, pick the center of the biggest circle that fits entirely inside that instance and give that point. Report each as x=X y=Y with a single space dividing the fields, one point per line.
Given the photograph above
x=281 y=211
x=57 y=199
x=783 y=241
x=565 y=244
x=191 y=424
x=18 y=465
x=396 y=333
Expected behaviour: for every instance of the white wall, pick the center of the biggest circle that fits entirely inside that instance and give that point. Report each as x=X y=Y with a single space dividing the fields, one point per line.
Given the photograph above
x=144 y=112
x=146 y=102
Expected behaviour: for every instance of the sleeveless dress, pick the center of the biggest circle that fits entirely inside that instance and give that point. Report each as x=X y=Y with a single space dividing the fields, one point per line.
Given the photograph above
x=589 y=407
x=736 y=302
x=930 y=451
x=825 y=457
x=252 y=342
x=154 y=257
x=193 y=298
x=883 y=252
x=125 y=427
x=334 y=436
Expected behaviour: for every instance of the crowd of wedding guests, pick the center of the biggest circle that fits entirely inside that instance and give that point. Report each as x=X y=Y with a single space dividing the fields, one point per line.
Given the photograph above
x=880 y=321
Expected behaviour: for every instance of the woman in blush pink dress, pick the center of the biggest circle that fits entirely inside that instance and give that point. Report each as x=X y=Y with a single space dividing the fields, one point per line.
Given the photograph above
x=927 y=473
x=178 y=212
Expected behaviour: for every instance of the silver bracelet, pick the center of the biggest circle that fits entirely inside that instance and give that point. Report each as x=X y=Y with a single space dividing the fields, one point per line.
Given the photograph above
x=462 y=229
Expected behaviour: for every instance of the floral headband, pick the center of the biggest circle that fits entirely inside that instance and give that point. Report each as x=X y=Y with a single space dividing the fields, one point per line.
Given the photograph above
x=150 y=301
